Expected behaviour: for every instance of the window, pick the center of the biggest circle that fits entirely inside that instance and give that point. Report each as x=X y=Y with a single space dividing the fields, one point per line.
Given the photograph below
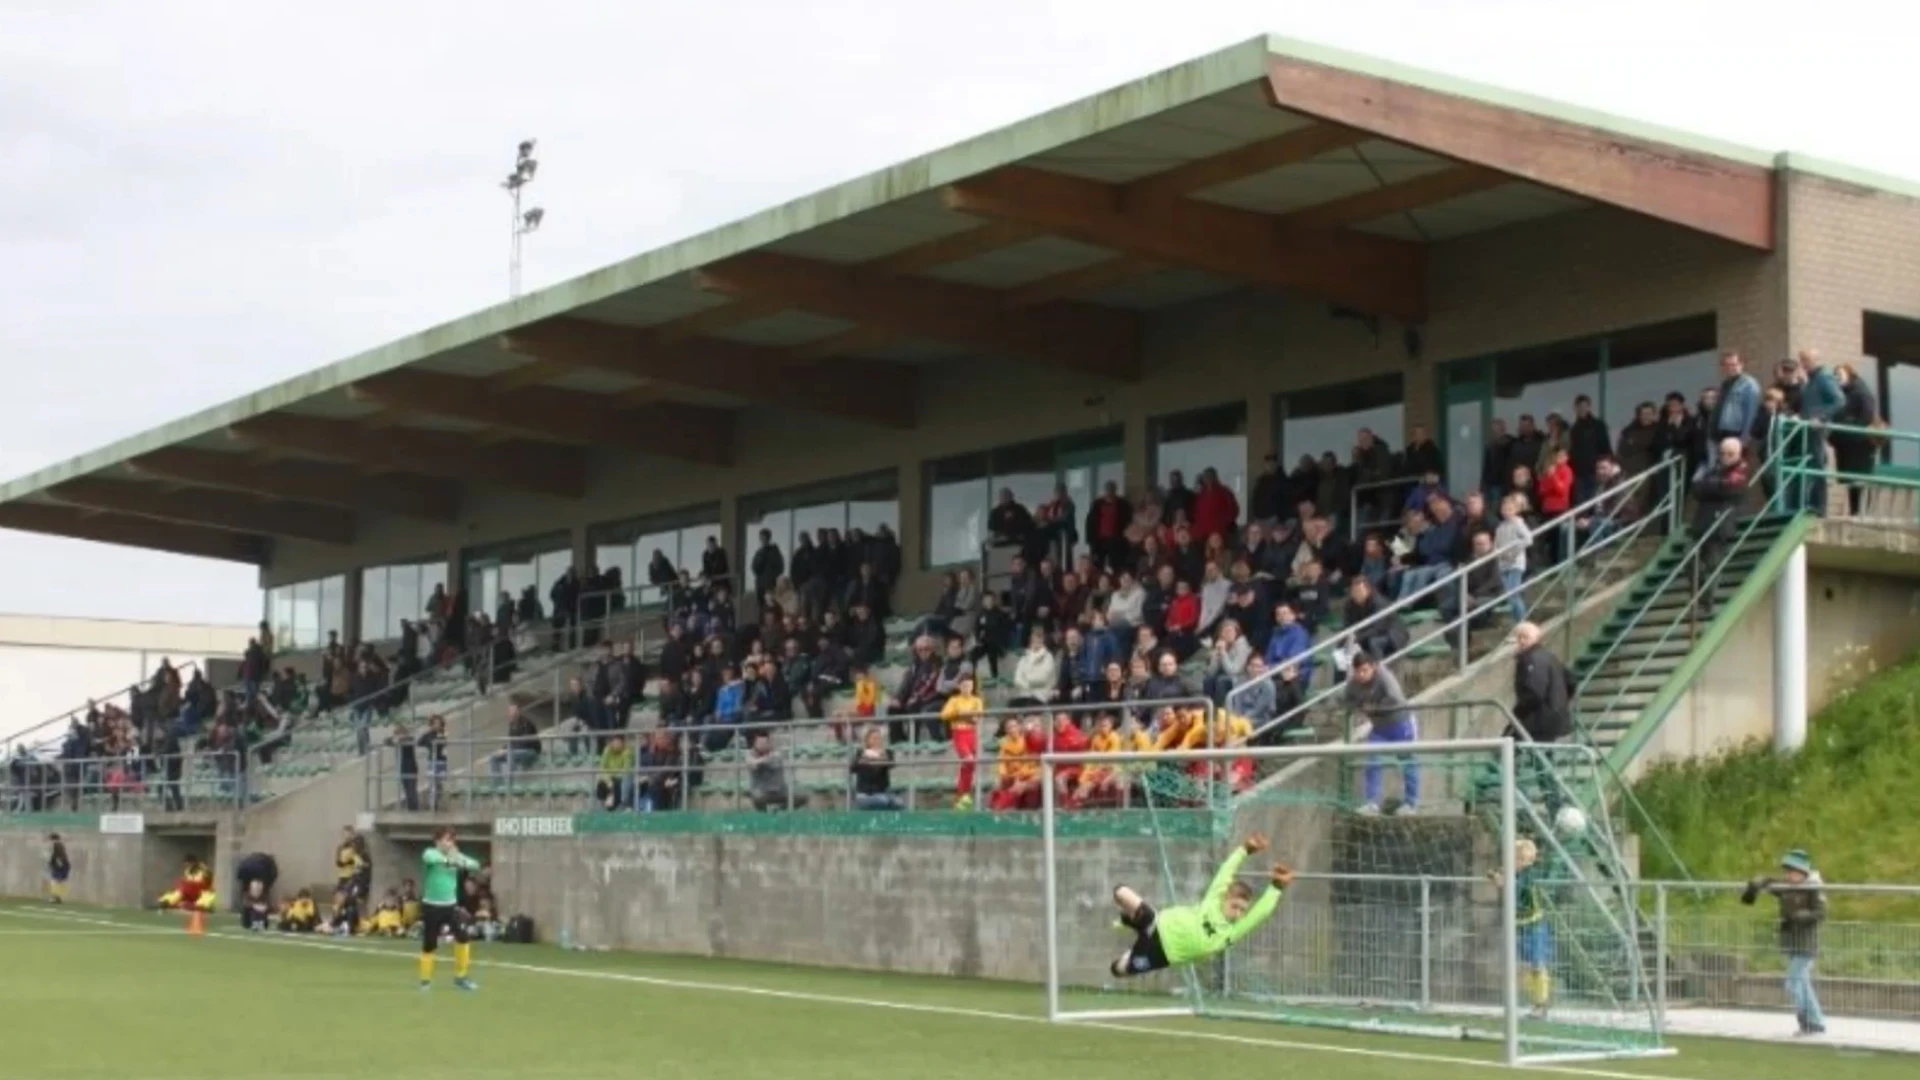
x=1190 y=443
x=1648 y=363
x=960 y=490
x=514 y=567
x=390 y=594
x=1325 y=419
x=1543 y=381
x=862 y=502
x=1891 y=369
x=629 y=546
x=304 y=613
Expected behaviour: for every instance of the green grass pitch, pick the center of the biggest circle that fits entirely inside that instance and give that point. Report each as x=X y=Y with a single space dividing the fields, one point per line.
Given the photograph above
x=92 y=995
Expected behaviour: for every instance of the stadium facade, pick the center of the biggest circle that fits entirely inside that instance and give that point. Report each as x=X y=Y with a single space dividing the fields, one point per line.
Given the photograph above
x=1254 y=252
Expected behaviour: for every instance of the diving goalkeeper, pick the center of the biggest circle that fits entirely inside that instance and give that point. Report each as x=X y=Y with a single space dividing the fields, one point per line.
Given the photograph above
x=1193 y=932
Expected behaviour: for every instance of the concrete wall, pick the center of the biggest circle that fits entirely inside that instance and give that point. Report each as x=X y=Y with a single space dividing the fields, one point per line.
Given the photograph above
x=108 y=870
x=1555 y=278
x=1857 y=623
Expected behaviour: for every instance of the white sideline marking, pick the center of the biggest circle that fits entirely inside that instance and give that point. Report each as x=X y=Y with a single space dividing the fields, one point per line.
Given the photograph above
x=895 y=1006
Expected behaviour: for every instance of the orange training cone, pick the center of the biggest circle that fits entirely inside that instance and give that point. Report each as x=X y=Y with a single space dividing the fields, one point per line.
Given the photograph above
x=196 y=923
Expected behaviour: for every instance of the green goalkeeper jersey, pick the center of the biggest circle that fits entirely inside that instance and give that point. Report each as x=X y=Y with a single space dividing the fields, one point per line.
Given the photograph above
x=440 y=876
x=1196 y=931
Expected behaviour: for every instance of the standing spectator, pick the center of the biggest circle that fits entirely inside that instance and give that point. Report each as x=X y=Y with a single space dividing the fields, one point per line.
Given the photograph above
x=1495 y=458
x=406 y=765
x=715 y=567
x=1803 y=907
x=1058 y=523
x=1587 y=443
x=1737 y=404
x=1264 y=504
x=1372 y=469
x=1374 y=692
x=992 y=634
x=1423 y=454
x=1542 y=690
x=1854 y=454
x=768 y=565
x=1717 y=492
x=767 y=772
x=1010 y=525
x=1823 y=401
x=1107 y=521
x=1215 y=509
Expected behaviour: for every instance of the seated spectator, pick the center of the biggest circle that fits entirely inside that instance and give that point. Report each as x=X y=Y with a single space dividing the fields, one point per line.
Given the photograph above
x=1617 y=509
x=1382 y=638
x=729 y=709
x=1099 y=784
x=1254 y=697
x=1291 y=639
x=1165 y=683
x=1182 y=621
x=872 y=772
x=614 y=789
x=953 y=666
x=1227 y=659
x=1037 y=676
x=1434 y=549
x=1127 y=607
x=1228 y=730
x=1010 y=525
x=1483 y=583
x=915 y=704
x=300 y=915
x=523 y=745
x=667 y=771
x=1215 y=591
x=767 y=772
x=1018 y=783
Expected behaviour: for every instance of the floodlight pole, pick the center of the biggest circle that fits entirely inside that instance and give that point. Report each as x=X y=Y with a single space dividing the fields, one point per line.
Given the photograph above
x=522 y=221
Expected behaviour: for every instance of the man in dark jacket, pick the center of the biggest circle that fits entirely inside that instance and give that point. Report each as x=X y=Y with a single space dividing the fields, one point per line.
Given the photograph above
x=1803 y=907
x=1717 y=491
x=768 y=565
x=1542 y=697
x=1587 y=443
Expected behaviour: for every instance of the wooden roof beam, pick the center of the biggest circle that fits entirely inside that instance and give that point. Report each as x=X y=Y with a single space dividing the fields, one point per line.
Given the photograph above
x=684 y=432
x=538 y=468
x=1085 y=339
x=867 y=391
x=1372 y=274
x=107 y=528
x=211 y=508
x=306 y=481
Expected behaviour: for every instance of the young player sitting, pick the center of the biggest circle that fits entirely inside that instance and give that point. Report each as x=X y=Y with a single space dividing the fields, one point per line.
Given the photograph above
x=194 y=890
x=1098 y=785
x=1019 y=783
x=256 y=910
x=343 y=918
x=1192 y=932
x=409 y=904
x=387 y=921
x=300 y=916
x=1531 y=929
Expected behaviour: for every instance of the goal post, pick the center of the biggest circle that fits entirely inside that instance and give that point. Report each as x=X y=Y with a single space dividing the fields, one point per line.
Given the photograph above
x=1399 y=922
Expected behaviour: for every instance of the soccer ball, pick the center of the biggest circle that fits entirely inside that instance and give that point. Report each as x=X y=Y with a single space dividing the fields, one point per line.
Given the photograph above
x=1570 y=821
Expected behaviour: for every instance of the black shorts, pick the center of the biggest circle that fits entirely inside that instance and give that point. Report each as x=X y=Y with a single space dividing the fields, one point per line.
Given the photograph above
x=436 y=920
x=1146 y=954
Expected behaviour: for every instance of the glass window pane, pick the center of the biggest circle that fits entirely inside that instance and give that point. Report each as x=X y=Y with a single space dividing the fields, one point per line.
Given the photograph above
x=333 y=605
x=831 y=515
x=1900 y=408
x=407 y=595
x=373 y=603
x=306 y=615
x=870 y=514
x=1114 y=472
x=1324 y=420
x=1646 y=364
x=1543 y=381
x=1029 y=470
x=956 y=521
x=693 y=544
x=608 y=557
x=548 y=569
x=280 y=616
x=1190 y=443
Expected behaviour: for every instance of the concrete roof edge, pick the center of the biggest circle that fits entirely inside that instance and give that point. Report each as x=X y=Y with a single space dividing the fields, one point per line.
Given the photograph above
x=1791 y=161
x=1168 y=88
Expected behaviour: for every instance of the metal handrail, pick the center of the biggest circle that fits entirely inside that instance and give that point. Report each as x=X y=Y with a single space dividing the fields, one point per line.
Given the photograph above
x=144 y=780
x=1457 y=579
x=17 y=741
x=377 y=775
x=1353 y=502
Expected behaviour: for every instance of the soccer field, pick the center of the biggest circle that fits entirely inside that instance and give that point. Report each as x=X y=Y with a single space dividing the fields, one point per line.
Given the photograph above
x=128 y=996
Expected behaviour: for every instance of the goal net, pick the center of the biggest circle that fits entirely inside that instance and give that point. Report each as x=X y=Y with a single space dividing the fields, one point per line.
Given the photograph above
x=1496 y=911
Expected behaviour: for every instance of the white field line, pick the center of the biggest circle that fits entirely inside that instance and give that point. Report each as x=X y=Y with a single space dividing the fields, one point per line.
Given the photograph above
x=808 y=997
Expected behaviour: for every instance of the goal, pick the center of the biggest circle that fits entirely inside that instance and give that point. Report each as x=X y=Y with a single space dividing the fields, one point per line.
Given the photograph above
x=1474 y=917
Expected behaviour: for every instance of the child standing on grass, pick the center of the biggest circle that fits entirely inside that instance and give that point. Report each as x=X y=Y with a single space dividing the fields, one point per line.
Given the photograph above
x=1190 y=933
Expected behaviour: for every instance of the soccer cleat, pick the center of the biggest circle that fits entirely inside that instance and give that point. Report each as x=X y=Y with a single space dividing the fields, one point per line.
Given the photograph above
x=466 y=984
x=426 y=984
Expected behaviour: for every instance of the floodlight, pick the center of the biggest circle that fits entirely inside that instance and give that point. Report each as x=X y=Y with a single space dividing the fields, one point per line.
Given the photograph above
x=532 y=218
x=526 y=148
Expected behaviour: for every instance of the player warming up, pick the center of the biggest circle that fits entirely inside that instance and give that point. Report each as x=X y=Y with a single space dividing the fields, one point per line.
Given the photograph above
x=1192 y=932
x=440 y=914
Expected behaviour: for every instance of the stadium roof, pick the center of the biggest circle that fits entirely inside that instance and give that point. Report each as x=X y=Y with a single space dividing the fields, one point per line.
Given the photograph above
x=1271 y=163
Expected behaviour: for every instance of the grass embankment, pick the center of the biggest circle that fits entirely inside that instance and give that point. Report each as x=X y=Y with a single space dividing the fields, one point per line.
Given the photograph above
x=1851 y=798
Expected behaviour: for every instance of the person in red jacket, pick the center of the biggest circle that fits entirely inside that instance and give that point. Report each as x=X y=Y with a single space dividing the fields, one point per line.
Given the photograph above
x=1183 y=621
x=1214 y=508
x=1555 y=486
x=1107 y=521
x=1067 y=738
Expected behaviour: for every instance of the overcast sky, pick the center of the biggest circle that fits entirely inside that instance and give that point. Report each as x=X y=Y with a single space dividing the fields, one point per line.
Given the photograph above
x=200 y=198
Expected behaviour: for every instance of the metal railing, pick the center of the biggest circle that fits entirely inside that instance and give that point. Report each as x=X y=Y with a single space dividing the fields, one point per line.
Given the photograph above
x=513 y=771
x=190 y=780
x=49 y=732
x=1355 y=526
x=1889 y=494
x=1454 y=588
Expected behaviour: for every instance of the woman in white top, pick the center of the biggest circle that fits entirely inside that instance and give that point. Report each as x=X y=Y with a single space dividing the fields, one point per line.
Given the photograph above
x=1037 y=675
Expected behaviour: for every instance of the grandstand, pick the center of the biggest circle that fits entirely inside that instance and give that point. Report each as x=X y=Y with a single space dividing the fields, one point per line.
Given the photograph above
x=1272 y=271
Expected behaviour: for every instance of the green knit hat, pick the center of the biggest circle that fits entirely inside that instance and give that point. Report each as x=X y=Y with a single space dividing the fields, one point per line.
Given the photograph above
x=1797 y=859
